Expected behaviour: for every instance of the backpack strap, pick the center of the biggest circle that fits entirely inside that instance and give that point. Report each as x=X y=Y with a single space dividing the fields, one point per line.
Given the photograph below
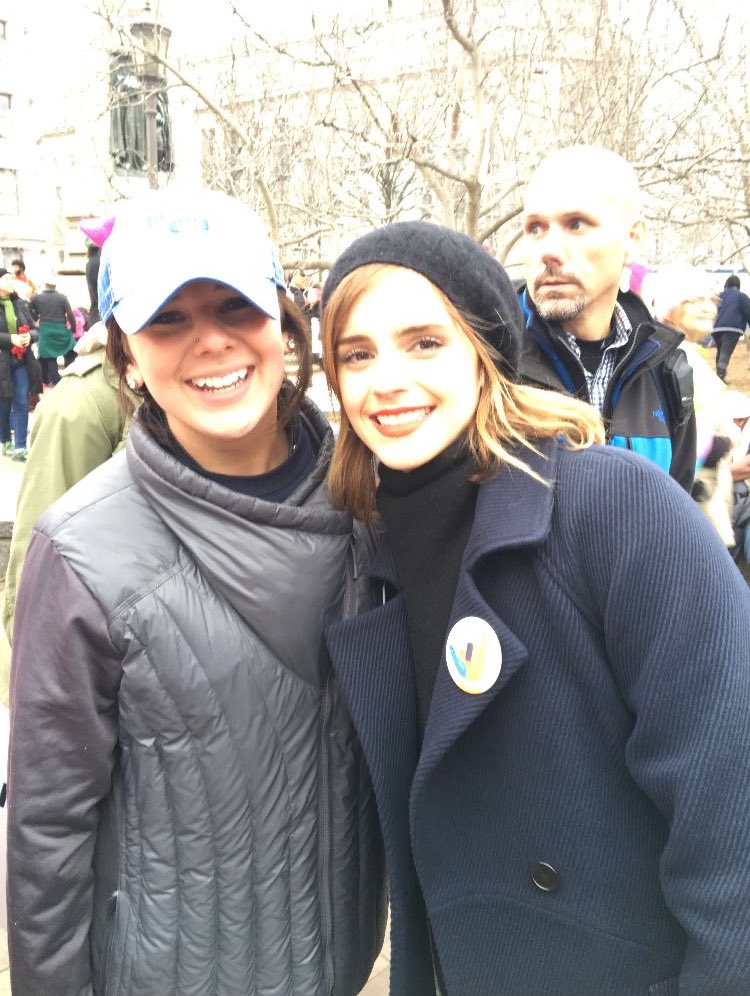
x=677 y=377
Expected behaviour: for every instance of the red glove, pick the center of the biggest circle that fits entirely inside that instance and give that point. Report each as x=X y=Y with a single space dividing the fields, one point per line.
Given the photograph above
x=20 y=351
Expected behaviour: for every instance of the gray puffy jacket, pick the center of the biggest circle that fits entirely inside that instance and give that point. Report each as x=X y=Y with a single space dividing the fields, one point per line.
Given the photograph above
x=189 y=811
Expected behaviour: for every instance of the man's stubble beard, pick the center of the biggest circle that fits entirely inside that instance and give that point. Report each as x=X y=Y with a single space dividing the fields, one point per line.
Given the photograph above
x=561 y=309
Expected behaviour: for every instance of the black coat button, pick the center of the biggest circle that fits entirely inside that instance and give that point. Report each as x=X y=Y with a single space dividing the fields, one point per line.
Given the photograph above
x=545 y=877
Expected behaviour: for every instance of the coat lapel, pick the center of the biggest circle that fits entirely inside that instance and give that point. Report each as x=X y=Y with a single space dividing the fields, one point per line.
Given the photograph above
x=513 y=510
x=372 y=660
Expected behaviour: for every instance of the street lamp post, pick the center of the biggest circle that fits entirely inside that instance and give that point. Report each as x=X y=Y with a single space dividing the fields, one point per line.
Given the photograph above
x=152 y=44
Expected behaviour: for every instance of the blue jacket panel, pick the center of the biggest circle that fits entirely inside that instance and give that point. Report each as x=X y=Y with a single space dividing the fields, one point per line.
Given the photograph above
x=651 y=381
x=582 y=827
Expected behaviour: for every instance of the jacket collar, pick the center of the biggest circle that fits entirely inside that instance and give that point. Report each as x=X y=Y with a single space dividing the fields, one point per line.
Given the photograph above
x=546 y=361
x=638 y=315
x=513 y=510
x=244 y=546
x=372 y=657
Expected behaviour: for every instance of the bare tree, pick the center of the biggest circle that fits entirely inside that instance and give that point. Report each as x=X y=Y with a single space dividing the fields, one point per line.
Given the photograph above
x=442 y=113
x=476 y=98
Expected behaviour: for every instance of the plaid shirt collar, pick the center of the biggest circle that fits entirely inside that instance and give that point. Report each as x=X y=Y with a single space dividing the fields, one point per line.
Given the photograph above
x=597 y=382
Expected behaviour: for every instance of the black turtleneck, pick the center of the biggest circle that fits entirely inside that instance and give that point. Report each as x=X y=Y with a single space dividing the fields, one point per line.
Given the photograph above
x=428 y=514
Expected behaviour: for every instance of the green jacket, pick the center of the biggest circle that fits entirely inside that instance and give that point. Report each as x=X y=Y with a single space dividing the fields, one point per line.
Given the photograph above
x=77 y=426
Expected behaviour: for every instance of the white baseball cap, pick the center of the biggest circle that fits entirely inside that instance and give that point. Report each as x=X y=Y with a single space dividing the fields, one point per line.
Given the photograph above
x=677 y=284
x=737 y=404
x=164 y=239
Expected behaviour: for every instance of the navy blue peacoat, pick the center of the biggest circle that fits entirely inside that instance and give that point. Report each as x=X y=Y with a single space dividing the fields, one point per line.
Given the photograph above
x=583 y=826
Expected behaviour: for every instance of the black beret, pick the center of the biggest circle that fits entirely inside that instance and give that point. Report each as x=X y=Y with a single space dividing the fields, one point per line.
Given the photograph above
x=468 y=276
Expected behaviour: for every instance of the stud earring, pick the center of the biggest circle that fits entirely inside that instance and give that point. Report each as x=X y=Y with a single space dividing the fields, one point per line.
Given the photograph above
x=133 y=383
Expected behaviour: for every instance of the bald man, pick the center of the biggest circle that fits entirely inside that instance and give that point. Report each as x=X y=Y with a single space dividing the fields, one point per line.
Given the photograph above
x=582 y=225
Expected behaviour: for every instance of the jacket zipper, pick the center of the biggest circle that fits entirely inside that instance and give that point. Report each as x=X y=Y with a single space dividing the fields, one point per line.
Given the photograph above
x=577 y=363
x=606 y=413
x=349 y=604
x=325 y=839
x=109 y=941
x=348 y=609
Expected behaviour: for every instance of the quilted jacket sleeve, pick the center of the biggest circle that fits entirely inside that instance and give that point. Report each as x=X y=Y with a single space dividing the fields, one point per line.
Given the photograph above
x=64 y=680
x=676 y=618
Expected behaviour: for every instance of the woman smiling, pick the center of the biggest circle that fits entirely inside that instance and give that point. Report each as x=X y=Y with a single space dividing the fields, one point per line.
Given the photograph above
x=189 y=811
x=553 y=692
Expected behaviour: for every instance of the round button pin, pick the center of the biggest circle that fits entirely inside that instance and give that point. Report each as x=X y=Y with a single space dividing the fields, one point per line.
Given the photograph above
x=473 y=655
x=545 y=877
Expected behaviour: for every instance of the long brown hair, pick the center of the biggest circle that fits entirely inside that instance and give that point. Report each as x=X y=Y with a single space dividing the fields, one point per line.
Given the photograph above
x=508 y=415
x=290 y=397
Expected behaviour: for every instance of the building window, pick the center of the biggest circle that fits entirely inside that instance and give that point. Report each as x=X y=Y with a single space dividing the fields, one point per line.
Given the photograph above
x=8 y=192
x=127 y=133
x=5 y=118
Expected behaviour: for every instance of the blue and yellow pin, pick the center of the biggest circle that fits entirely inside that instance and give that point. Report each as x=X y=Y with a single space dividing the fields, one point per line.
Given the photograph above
x=473 y=655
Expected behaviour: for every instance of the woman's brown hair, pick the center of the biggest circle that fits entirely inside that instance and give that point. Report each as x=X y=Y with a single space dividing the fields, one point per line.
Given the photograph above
x=508 y=415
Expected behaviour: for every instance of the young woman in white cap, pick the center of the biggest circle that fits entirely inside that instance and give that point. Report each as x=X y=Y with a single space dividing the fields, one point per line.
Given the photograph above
x=685 y=299
x=553 y=690
x=188 y=807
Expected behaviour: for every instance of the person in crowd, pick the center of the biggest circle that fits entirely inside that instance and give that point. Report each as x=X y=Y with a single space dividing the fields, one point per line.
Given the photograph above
x=28 y=289
x=96 y=231
x=93 y=253
x=56 y=327
x=739 y=407
x=582 y=225
x=638 y=278
x=83 y=324
x=311 y=312
x=19 y=371
x=188 y=805
x=297 y=289
x=552 y=699
x=685 y=299
x=77 y=427
x=732 y=318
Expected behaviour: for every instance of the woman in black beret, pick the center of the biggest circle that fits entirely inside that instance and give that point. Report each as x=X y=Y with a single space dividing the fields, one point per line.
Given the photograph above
x=553 y=692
